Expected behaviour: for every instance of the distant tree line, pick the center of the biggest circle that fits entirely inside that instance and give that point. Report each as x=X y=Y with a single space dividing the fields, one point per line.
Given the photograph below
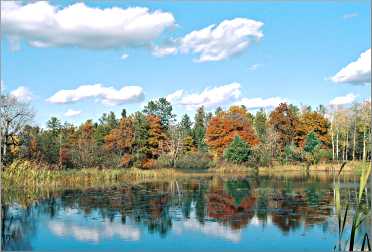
x=154 y=138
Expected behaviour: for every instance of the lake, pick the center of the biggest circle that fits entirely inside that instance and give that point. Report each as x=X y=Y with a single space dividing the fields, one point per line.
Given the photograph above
x=242 y=213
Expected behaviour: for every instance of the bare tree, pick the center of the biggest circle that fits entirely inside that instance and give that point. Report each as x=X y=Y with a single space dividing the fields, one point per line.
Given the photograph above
x=14 y=115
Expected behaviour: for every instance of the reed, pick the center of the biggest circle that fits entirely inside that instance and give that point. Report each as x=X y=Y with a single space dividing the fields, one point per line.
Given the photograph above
x=359 y=215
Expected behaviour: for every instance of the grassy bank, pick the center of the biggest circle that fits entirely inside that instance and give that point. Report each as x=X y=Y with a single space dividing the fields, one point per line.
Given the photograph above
x=27 y=181
x=29 y=174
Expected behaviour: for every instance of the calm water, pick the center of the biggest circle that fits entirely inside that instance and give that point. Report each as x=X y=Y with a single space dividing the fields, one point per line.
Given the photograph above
x=216 y=214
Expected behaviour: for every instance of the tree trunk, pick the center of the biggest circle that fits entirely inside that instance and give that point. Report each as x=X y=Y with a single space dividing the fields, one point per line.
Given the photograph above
x=364 y=145
x=333 y=144
x=346 y=145
x=354 y=140
x=337 y=145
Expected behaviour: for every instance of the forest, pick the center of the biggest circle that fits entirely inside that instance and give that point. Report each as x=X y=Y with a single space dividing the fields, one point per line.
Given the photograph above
x=154 y=138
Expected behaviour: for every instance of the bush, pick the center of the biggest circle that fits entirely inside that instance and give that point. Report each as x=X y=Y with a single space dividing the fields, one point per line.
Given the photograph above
x=261 y=155
x=148 y=164
x=196 y=160
x=291 y=154
x=164 y=161
x=126 y=160
x=238 y=151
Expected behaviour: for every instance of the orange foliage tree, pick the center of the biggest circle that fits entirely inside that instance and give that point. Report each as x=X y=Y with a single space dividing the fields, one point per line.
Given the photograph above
x=223 y=128
x=313 y=122
x=284 y=122
x=121 y=139
x=156 y=136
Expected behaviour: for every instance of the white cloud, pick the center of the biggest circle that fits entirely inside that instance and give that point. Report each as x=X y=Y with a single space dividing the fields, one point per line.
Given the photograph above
x=160 y=52
x=219 y=42
x=254 y=67
x=343 y=100
x=124 y=56
x=45 y=25
x=72 y=113
x=174 y=96
x=350 y=15
x=209 y=97
x=108 y=95
x=22 y=94
x=357 y=72
x=255 y=103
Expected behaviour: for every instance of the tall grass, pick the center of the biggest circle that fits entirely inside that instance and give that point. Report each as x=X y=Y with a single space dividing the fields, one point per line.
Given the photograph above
x=359 y=214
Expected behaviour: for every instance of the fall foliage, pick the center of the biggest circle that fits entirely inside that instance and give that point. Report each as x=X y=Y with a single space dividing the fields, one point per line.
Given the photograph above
x=223 y=128
x=153 y=138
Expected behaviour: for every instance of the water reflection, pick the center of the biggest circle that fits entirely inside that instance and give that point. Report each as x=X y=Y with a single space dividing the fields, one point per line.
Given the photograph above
x=214 y=207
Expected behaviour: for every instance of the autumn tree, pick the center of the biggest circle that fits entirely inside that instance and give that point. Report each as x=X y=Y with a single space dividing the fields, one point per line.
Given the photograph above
x=312 y=121
x=156 y=136
x=284 y=122
x=28 y=138
x=224 y=127
x=120 y=140
x=88 y=150
x=14 y=115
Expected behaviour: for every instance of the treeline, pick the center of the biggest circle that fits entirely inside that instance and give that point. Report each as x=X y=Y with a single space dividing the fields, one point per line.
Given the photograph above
x=153 y=138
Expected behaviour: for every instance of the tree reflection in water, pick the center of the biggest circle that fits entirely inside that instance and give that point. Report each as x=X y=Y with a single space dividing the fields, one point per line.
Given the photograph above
x=233 y=203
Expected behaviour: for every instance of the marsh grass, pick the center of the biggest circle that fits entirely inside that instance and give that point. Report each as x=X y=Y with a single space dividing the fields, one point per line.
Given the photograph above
x=359 y=210
x=26 y=173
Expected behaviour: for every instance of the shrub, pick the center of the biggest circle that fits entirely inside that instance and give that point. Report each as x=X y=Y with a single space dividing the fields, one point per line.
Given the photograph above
x=194 y=160
x=148 y=164
x=261 y=155
x=312 y=148
x=126 y=160
x=291 y=154
x=164 y=161
x=238 y=151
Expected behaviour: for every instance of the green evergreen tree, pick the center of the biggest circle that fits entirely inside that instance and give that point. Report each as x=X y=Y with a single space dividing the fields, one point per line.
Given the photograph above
x=199 y=129
x=312 y=142
x=238 y=151
x=260 y=124
x=185 y=124
x=161 y=108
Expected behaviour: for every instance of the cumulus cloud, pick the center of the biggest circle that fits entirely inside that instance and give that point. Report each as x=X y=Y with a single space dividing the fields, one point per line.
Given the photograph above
x=108 y=95
x=343 y=100
x=124 y=56
x=255 y=103
x=72 y=113
x=163 y=51
x=44 y=25
x=22 y=94
x=357 y=72
x=209 y=97
x=219 y=42
x=174 y=96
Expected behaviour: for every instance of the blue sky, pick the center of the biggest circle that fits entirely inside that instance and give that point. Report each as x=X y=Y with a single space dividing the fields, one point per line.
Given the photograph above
x=303 y=48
